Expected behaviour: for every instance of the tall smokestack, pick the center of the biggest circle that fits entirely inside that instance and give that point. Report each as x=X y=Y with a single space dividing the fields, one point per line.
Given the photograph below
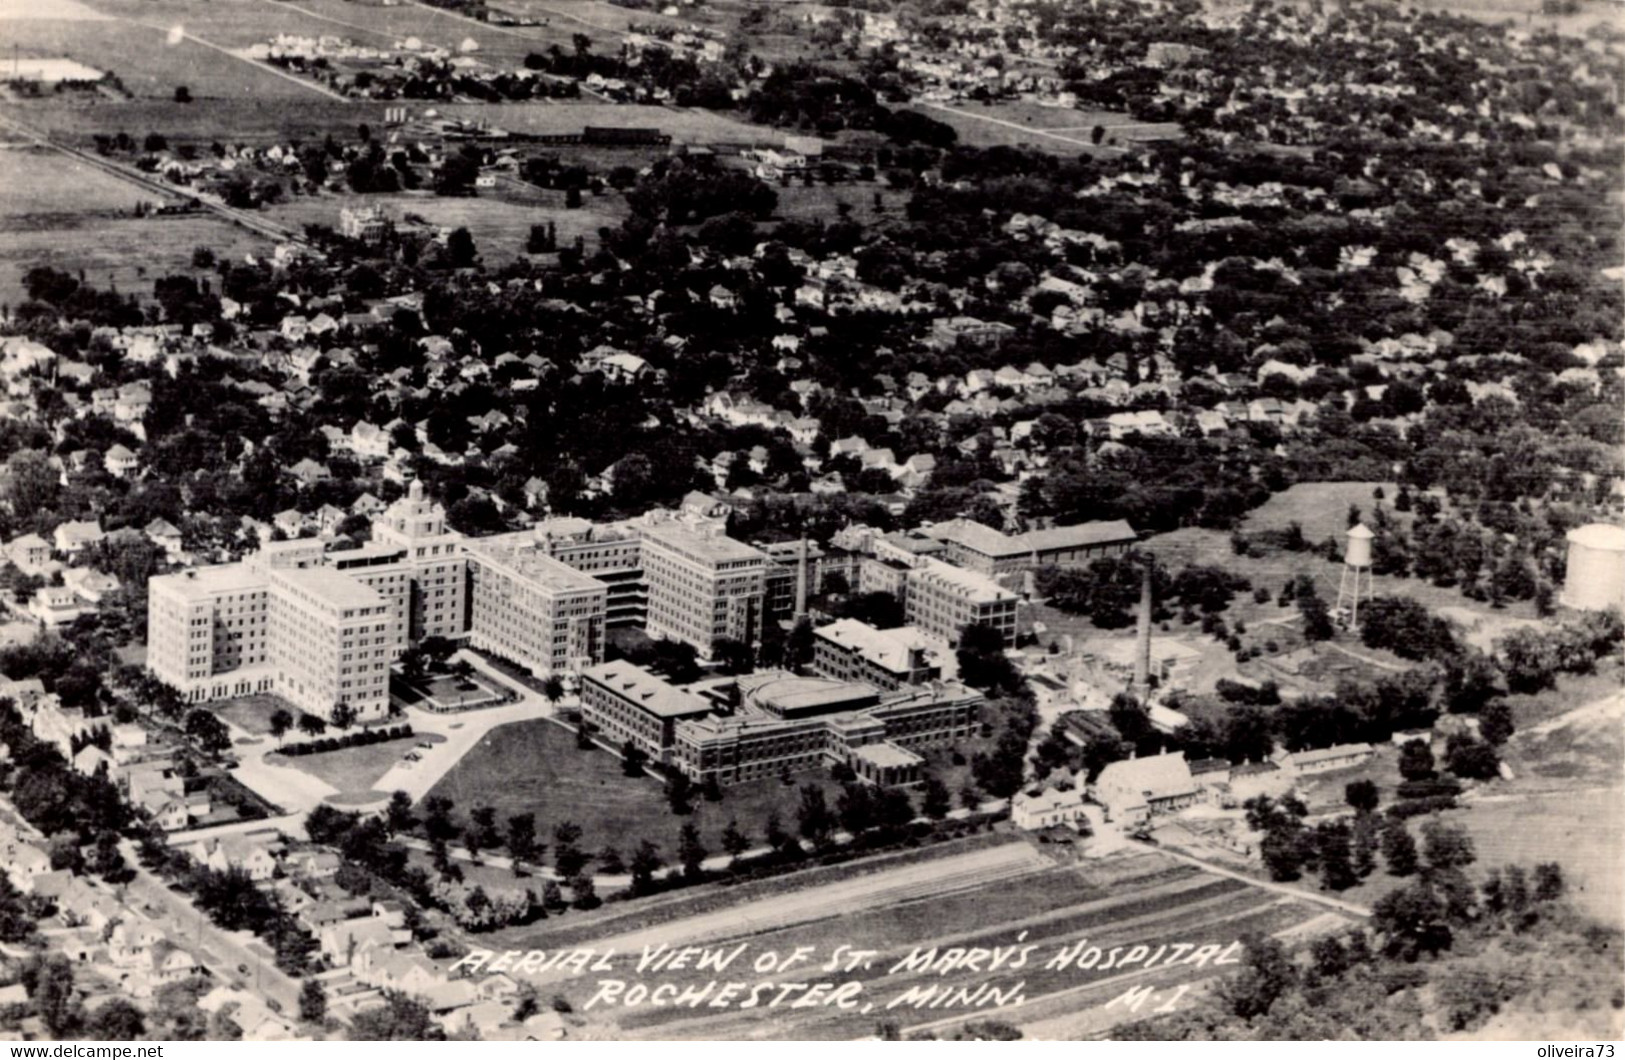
x=1142 y=648
x=801 y=579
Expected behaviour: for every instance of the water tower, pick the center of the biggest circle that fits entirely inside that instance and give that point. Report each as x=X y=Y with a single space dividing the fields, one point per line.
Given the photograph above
x=1356 y=580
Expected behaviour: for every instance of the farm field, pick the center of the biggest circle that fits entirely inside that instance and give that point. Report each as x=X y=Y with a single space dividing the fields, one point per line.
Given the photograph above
x=148 y=65
x=127 y=253
x=1156 y=905
x=821 y=202
x=1047 y=128
x=44 y=188
x=498 y=220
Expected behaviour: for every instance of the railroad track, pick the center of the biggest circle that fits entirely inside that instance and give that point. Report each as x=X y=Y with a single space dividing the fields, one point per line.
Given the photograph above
x=242 y=218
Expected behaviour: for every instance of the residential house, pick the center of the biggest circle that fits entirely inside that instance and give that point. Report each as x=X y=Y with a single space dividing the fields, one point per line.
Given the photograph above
x=165 y=535
x=30 y=552
x=1047 y=808
x=119 y=461
x=74 y=536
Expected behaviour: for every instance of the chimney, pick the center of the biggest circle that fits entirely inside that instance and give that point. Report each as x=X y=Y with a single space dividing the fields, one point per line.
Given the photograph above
x=801 y=579
x=1142 y=650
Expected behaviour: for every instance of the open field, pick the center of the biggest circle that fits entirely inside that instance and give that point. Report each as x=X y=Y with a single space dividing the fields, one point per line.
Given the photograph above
x=498 y=219
x=534 y=766
x=1137 y=899
x=822 y=202
x=1321 y=508
x=1057 y=129
x=126 y=253
x=43 y=188
x=149 y=66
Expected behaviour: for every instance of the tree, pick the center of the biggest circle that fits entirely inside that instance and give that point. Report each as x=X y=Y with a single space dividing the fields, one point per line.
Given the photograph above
x=343 y=716
x=1411 y=921
x=1317 y=619
x=583 y=895
x=522 y=838
x=398 y=815
x=1361 y=795
x=49 y=983
x=437 y=820
x=734 y=840
x=1366 y=837
x=813 y=816
x=208 y=732
x=183 y=94
x=610 y=863
x=312 y=1001
x=460 y=248
x=776 y=836
x=679 y=790
x=690 y=851
x=1416 y=760
x=645 y=863
x=1332 y=847
x=1267 y=972
x=553 y=688
x=400 y=1019
x=632 y=759
x=937 y=801
x=311 y=725
x=1446 y=846
x=116 y=1020
x=281 y=722
x=1548 y=881
x=1471 y=758
x=568 y=858
x=1495 y=722
x=1398 y=848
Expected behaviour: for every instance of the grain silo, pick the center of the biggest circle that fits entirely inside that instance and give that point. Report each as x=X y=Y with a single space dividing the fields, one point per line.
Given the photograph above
x=1595 y=580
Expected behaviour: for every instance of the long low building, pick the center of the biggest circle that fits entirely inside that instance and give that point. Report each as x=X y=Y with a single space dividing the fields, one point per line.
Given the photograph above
x=782 y=723
x=850 y=650
x=992 y=552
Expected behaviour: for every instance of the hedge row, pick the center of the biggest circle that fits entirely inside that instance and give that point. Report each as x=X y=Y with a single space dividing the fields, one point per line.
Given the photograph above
x=359 y=738
x=1419 y=807
x=1427 y=789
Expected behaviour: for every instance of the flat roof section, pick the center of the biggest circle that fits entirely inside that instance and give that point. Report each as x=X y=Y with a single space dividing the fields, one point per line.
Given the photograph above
x=648 y=691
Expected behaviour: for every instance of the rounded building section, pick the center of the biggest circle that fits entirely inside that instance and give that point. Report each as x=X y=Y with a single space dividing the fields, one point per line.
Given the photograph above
x=1595 y=579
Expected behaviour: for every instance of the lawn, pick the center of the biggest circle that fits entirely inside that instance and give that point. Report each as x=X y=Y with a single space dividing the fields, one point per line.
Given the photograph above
x=1046 y=128
x=253 y=713
x=124 y=252
x=498 y=219
x=44 y=189
x=357 y=769
x=821 y=202
x=535 y=767
x=451 y=693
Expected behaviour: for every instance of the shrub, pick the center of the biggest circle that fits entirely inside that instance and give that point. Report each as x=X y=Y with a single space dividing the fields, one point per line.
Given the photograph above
x=1420 y=807
x=1427 y=789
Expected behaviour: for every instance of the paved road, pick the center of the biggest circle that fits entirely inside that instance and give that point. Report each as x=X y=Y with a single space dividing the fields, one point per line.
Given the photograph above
x=223 y=953
x=462 y=730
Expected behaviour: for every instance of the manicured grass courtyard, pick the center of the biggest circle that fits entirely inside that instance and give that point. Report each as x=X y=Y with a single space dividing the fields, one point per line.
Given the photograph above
x=535 y=767
x=355 y=769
